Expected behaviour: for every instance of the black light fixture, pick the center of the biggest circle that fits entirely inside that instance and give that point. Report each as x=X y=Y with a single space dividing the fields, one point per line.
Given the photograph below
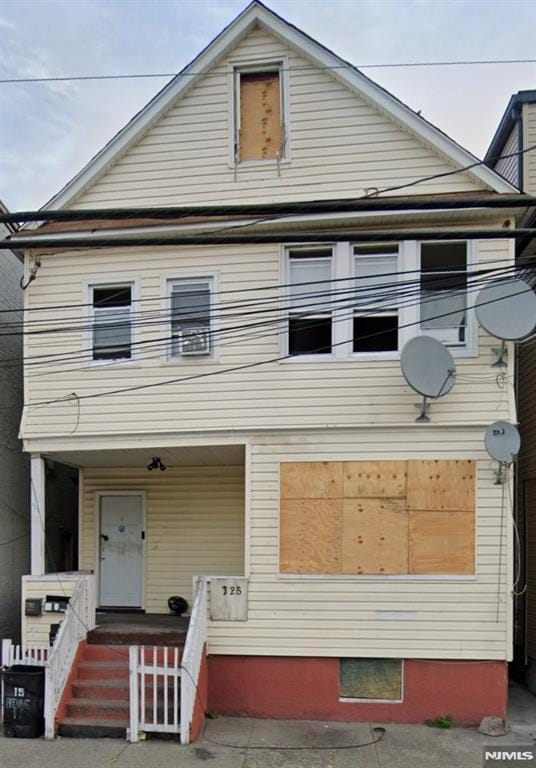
x=156 y=464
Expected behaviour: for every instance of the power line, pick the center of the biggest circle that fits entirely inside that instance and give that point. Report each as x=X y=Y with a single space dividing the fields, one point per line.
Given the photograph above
x=308 y=68
x=245 y=366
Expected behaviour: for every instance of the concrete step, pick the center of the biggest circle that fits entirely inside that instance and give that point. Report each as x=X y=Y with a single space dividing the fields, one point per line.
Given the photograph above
x=97 y=728
x=113 y=688
x=93 y=709
x=102 y=670
x=118 y=653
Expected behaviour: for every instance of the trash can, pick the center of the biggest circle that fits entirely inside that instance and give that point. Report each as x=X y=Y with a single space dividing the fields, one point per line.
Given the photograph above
x=24 y=692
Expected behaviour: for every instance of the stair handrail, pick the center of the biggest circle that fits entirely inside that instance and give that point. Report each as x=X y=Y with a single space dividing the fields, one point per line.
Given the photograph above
x=192 y=657
x=78 y=620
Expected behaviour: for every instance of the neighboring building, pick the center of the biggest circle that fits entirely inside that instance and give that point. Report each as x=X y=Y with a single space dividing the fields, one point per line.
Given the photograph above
x=517 y=130
x=14 y=465
x=374 y=553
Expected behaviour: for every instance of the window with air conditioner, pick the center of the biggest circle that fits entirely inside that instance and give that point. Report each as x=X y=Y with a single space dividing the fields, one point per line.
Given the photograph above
x=375 y=314
x=443 y=292
x=111 y=329
x=190 y=312
x=309 y=301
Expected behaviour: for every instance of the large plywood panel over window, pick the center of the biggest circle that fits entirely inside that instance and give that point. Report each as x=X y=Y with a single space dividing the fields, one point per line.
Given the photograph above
x=310 y=531
x=384 y=517
x=441 y=542
x=261 y=134
x=374 y=536
x=374 y=479
x=441 y=485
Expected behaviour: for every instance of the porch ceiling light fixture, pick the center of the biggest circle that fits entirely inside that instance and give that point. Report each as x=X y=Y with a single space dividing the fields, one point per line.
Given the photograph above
x=156 y=464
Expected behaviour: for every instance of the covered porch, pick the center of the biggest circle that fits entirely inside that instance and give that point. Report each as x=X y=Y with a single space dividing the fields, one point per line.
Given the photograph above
x=149 y=521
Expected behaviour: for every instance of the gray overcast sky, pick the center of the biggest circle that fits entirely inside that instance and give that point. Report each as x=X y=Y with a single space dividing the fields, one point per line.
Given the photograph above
x=49 y=131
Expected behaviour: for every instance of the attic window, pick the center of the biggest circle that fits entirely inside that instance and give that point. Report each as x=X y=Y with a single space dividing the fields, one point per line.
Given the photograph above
x=259 y=115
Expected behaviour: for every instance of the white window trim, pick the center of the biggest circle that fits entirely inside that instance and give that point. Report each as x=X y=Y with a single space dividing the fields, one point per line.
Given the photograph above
x=87 y=335
x=191 y=276
x=257 y=65
x=342 y=331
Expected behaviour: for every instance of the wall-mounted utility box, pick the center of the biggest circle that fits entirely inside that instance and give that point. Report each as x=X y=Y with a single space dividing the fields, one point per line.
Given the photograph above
x=229 y=598
x=33 y=606
x=55 y=604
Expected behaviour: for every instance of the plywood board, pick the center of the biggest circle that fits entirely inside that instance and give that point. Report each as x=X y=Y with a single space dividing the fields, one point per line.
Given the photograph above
x=442 y=485
x=441 y=542
x=371 y=679
x=374 y=479
x=375 y=536
x=311 y=480
x=260 y=116
x=310 y=536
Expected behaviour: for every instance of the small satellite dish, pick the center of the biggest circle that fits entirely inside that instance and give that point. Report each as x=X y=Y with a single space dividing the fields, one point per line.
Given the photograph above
x=502 y=442
x=428 y=368
x=507 y=310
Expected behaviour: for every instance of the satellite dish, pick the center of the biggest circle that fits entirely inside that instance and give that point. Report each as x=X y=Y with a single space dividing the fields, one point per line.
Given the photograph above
x=502 y=442
x=507 y=310
x=428 y=368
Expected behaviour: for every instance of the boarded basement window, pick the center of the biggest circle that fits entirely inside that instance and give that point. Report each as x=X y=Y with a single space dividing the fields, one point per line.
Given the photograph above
x=260 y=135
x=379 y=679
x=377 y=517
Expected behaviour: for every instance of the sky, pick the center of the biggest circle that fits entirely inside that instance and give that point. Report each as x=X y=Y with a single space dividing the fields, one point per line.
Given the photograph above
x=48 y=131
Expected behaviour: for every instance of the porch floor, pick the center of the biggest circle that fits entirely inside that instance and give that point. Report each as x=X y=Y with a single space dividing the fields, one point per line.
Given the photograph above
x=138 y=629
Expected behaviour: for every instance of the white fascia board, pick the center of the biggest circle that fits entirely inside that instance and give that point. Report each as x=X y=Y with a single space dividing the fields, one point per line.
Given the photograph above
x=351 y=77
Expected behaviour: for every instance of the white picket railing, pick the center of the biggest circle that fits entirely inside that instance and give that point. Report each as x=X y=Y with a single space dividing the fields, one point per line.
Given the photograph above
x=79 y=618
x=163 y=687
x=193 y=655
x=35 y=656
x=154 y=690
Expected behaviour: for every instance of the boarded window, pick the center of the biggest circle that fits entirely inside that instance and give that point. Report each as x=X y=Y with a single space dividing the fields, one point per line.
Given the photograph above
x=261 y=132
x=371 y=679
x=377 y=517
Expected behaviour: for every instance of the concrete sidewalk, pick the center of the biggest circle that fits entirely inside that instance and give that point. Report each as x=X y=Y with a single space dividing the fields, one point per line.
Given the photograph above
x=321 y=745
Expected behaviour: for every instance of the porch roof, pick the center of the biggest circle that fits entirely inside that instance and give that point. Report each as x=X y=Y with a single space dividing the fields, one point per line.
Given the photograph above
x=185 y=456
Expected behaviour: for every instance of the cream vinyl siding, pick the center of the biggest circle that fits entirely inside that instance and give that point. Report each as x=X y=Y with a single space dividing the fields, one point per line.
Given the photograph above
x=35 y=629
x=509 y=166
x=529 y=140
x=318 y=393
x=336 y=616
x=195 y=524
x=339 y=146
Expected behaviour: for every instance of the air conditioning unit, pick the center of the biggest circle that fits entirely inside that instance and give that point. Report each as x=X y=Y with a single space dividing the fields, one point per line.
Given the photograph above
x=194 y=341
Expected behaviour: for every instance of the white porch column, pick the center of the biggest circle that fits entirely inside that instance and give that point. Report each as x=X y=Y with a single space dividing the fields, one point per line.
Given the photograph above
x=37 y=534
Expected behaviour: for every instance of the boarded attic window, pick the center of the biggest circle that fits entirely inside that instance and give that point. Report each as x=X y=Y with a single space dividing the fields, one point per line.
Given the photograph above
x=260 y=134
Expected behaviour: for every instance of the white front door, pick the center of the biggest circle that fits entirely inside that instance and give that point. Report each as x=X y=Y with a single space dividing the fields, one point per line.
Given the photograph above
x=121 y=550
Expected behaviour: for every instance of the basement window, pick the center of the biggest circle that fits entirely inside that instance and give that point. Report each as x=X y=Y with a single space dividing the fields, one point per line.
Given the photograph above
x=371 y=679
x=112 y=322
x=309 y=302
x=375 y=318
x=190 y=304
x=443 y=292
x=259 y=114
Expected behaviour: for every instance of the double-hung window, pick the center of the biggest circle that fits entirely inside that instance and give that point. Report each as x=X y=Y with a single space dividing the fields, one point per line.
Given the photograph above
x=190 y=312
x=443 y=292
x=309 y=301
x=375 y=318
x=112 y=322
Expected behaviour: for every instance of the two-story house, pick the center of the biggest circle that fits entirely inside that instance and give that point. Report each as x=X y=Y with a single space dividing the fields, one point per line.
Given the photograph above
x=227 y=381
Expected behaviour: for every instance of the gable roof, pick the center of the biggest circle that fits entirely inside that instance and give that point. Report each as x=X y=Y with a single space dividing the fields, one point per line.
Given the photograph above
x=508 y=120
x=257 y=13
